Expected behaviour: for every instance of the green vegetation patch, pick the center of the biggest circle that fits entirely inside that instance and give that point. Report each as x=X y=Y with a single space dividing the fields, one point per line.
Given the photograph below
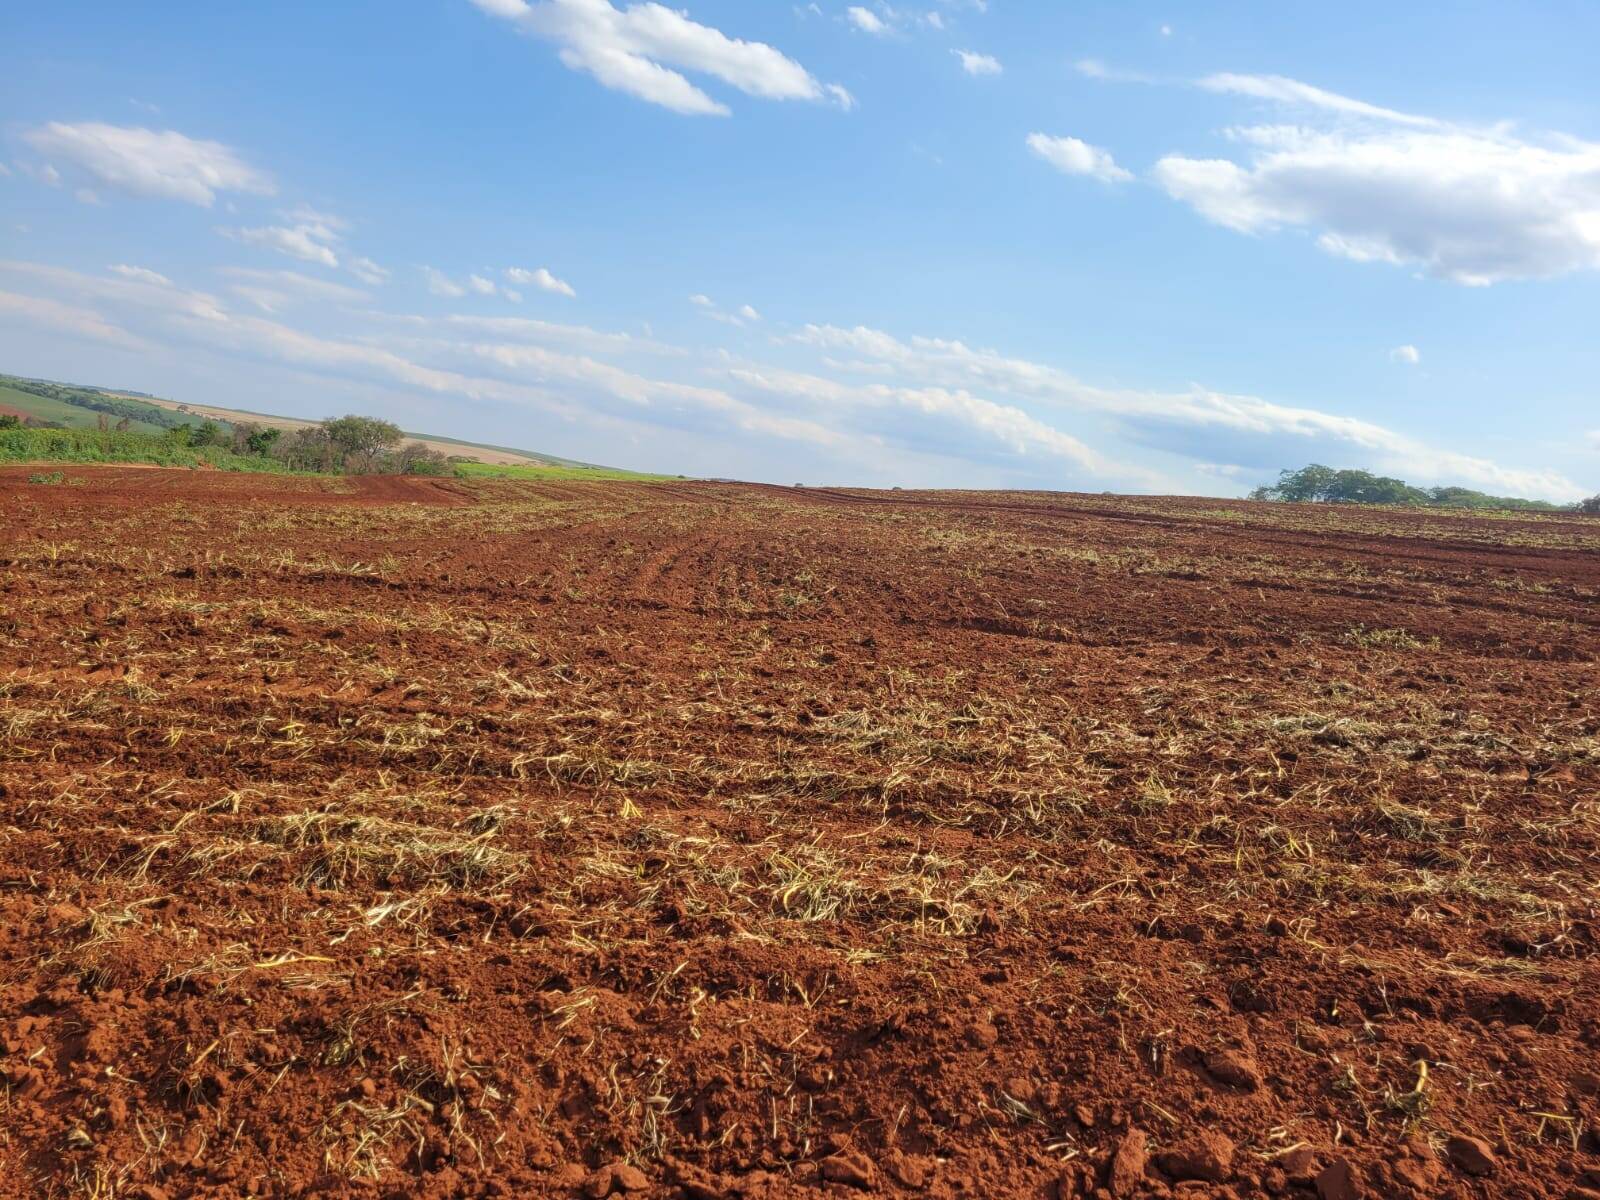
x=473 y=470
x=95 y=446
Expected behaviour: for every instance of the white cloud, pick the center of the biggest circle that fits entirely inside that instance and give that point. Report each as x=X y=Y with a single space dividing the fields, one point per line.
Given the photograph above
x=142 y=274
x=150 y=162
x=1012 y=430
x=531 y=329
x=1200 y=424
x=441 y=284
x=308 y=242
x=974 y=63
x=1472 y=206
x=1093 y=68
x=43 y=172
x=745 y=314
x=273 y=291
x=1291 y=91
x=635 y=50
x=1593 y=438
x=866 y=20
x=540 y=278
x=368 y=271
x=484 y=287
x=1075 y=157
x=55 y=317
x=1409 y=355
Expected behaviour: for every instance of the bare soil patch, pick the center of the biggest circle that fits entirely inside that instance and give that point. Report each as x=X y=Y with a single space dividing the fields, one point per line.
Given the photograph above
x=440 y=838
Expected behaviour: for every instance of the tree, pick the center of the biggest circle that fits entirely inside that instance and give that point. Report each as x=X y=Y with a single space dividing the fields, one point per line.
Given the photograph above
x=250 y=438
x=1590 y=507
x=361 y=439
x=415 y=458
x=7 y=421
x=209 y=433
x=308 y=448
x=1299 y=487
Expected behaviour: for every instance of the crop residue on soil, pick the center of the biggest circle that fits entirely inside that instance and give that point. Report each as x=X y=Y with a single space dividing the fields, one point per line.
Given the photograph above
x=433 y=838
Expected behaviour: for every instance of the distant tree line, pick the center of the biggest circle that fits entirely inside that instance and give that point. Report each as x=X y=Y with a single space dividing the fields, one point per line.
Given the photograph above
x=350 y=445
x=1317 y=484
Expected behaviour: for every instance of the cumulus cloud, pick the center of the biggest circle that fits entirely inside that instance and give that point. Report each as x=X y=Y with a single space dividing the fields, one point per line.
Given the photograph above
x=642 y=50
x=540 y=278
x=149 y=162
x=974 y=63
x=1409 y=355
x=1074 y=157
x=1472 y=206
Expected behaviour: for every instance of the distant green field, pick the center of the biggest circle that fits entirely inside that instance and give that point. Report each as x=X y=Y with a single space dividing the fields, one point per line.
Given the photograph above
x=76 y=416
x=516 y=471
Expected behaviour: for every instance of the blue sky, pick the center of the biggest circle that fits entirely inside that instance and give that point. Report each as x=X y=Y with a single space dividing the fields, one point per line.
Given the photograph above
x=1108 y=246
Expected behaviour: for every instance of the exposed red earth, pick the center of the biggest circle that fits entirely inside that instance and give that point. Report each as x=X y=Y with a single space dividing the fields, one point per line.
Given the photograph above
x=386 y=837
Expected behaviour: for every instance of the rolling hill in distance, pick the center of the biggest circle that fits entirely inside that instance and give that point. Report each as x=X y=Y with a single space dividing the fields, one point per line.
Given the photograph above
x=81 y=406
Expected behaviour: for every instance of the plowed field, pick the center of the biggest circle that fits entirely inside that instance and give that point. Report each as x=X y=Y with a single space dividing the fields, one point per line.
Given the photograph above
x=433 y=838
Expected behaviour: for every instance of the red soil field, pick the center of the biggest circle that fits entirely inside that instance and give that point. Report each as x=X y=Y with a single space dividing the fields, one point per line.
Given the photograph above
x=434 y=838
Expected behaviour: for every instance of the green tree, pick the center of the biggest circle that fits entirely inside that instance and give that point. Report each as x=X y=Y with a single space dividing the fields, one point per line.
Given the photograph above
x=1299 y=487
x=208 y=433
x=7 y=421
x=360 y=440
x=263 y=440
x=1590 y=507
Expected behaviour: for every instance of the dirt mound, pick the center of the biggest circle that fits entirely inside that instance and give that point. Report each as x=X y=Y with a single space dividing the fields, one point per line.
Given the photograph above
x=408 y=837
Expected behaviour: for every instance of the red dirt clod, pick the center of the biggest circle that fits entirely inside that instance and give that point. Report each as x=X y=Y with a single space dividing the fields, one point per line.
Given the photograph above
x=1206 y=1156
x=1471 y=1156
x=1299 y=1164
x=851 y=1168
x=1234 y=1068
x=1128 y=1163
x=1339 y=1181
